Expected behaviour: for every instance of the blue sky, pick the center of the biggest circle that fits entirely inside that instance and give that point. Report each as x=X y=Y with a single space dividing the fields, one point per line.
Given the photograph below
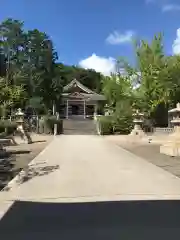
x=93 y=33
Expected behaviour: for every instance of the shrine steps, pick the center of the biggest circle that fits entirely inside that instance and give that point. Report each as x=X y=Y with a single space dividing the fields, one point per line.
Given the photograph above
x=79 y=127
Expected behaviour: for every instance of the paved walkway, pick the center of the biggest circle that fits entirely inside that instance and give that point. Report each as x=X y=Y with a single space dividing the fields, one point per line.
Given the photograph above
x=92 y=169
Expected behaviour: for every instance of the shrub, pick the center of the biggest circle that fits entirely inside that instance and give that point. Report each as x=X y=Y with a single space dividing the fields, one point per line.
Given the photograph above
x=122 y=117
x=104 y=125
x=122 y=124
x=8 y=127
x=50 y=121
x=27 y=126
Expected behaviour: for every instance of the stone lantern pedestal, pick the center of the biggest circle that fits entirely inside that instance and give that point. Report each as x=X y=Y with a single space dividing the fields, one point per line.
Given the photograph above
x=172 y=146
x=138 y=121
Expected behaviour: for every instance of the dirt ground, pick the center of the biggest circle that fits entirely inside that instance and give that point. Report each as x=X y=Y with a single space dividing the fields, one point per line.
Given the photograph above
x=25 y=153
x=151 y=153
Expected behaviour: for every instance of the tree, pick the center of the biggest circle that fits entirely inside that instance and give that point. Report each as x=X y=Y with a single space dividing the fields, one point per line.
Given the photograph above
x=2 y=64
x=87 y=77
x=156 y=78
x=29 y=61
x=118 y=92
x=9 y=96
x=152 y=72
x=12 y=44
x=116 y=88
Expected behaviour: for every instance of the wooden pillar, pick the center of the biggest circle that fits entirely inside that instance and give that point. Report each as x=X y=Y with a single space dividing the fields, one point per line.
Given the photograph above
x=84 y=109
x=53 y=108
x=95 y=111
x=67 y=109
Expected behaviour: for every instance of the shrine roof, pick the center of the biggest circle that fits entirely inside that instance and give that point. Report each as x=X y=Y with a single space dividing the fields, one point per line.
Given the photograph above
x=75 y=83
x=85 y=96
x=87 y=93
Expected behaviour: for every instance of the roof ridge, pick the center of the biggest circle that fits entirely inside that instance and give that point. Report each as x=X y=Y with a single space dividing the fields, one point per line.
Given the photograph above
x=79 y=84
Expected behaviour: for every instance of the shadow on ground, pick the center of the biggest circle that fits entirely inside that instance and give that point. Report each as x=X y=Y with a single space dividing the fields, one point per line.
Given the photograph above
x=35 y=171
x=18 y=151
x=39 y=141
x=147 y=220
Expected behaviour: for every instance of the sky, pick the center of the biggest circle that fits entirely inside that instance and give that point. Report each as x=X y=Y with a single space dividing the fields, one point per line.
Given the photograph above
x=94 y=33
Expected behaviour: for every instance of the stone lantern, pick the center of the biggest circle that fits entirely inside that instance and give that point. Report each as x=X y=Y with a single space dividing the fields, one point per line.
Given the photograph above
x=108 y=111
x=20 y=126
x=138 y=121
x=19 y=117
x=176 y=120
x=172 y=146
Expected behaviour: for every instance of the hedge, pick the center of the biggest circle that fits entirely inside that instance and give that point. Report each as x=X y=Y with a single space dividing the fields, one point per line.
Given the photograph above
x=122 y=124
x=7 y=127
x=50 y=121
x=107 y=125
x=104 y=125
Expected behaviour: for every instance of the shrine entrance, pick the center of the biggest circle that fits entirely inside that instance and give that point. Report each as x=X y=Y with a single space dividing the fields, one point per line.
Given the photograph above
x=75 y=109
x=79 y=102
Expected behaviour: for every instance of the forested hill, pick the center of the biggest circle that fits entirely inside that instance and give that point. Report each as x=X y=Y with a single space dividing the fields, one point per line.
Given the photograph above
x=88 y=77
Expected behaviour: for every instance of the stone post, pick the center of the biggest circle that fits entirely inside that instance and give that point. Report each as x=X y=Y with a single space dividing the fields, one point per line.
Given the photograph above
x=84 y=109
x=67 y=109
x=95 y=111
x=55 y=125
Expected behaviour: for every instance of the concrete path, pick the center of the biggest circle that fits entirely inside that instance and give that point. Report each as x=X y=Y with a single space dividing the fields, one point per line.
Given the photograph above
x=92 y=169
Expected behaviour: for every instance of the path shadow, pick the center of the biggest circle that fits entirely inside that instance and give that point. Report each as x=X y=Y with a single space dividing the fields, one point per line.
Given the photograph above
x=34 y=171
x=130 y=220
x=39 y=141
x=18 y=151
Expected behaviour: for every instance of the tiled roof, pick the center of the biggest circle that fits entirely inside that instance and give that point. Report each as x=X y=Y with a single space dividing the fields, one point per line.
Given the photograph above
x=75 y=82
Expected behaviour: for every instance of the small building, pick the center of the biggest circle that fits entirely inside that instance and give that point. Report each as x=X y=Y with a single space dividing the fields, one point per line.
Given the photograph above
x=79 y=101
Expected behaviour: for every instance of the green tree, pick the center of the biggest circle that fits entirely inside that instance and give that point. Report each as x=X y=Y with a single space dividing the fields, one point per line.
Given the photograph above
x=12 y=45
x=118 y=91
x=153 y=73
x=116 y=88
x=9 y=96
x=29 y=61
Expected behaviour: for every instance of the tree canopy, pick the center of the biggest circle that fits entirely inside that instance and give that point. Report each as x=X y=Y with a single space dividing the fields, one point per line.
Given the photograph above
x=151 y=85
x=31 y=74
x=29 y=61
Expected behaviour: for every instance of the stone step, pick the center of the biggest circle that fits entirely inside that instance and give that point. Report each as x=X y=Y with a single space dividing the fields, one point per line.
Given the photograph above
x=85 y=126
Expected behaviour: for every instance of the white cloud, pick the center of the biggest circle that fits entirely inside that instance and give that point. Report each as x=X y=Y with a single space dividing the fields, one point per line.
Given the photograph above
x=165 y=5
x=100 y=64
x=170 y=7
x=176 y=43
x=119 y=38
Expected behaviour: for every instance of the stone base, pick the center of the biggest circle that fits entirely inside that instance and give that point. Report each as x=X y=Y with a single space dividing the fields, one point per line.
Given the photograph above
x=20 y=140
x=138 y=132
x=171 y=149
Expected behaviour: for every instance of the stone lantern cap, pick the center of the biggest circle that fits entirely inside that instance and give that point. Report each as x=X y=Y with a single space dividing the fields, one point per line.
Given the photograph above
x=175 y=110
x=176 y=114
x=137 y=113
x=20 y=116
x=19 y=112
x=138 y=117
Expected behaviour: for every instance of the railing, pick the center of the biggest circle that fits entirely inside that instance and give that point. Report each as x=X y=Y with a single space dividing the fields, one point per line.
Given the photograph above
x=8 y=118
x=163 y=130
x=33 y=121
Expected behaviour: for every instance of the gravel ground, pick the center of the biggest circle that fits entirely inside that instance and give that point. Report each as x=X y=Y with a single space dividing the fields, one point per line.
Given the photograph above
x=151 y=153
x=25 y=153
